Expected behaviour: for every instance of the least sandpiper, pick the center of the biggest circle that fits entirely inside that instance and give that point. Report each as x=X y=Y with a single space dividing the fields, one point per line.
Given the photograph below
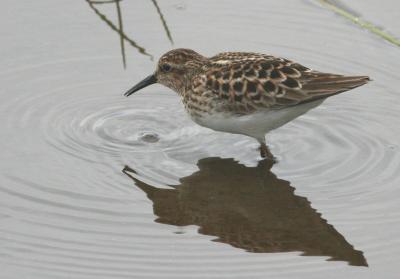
x=245 y=93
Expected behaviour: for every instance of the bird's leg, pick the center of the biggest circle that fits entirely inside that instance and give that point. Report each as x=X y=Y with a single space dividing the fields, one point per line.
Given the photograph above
x=265 y=152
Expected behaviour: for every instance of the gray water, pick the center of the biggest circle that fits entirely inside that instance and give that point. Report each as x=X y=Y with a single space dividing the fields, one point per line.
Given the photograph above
x=96 y=185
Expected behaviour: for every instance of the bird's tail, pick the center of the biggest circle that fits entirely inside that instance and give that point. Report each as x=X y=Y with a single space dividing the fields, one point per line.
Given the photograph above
x=320 y=84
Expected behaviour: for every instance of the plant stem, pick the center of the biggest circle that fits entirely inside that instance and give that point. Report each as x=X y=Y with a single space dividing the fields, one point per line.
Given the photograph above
x=362 y=23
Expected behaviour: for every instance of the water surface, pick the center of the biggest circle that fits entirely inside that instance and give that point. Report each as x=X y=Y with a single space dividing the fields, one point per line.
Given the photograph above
x=95 y=185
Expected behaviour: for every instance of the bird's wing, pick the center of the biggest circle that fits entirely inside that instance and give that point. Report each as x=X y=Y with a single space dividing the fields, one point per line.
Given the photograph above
x=257 y=80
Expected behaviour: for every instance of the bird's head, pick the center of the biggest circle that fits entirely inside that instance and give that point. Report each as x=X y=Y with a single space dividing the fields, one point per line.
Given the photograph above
x=174 y=70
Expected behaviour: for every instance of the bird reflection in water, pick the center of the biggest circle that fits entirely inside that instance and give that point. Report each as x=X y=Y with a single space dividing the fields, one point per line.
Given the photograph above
x=248 y=208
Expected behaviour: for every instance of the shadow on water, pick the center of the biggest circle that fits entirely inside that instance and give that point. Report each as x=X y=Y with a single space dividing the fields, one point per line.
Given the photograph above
x=120 y=28
x=248 y=208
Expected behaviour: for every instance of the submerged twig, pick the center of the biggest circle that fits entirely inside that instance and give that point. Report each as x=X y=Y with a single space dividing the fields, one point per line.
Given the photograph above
x=362 y=23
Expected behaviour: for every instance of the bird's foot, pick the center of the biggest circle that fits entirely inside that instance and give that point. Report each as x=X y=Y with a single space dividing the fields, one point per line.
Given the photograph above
x=265 y=153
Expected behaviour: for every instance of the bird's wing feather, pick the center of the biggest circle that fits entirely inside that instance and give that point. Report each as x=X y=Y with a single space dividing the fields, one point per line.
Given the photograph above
x=251 y=80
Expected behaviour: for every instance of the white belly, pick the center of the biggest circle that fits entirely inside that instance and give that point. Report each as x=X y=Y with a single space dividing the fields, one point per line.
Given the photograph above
x=257 y=124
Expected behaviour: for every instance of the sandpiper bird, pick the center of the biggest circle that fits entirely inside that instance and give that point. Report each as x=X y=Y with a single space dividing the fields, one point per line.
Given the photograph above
x=243 y=92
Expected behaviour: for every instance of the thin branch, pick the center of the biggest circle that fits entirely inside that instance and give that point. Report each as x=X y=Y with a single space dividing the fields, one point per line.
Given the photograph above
x=104 y=2
x=121 y=29
x=113 y=27
x=164 y=23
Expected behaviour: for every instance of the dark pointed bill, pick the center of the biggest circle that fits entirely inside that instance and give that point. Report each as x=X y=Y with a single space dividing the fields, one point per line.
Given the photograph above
x=146 y=82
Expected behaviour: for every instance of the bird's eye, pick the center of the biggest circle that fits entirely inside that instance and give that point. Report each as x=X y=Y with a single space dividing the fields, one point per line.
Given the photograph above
x=166 y=67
